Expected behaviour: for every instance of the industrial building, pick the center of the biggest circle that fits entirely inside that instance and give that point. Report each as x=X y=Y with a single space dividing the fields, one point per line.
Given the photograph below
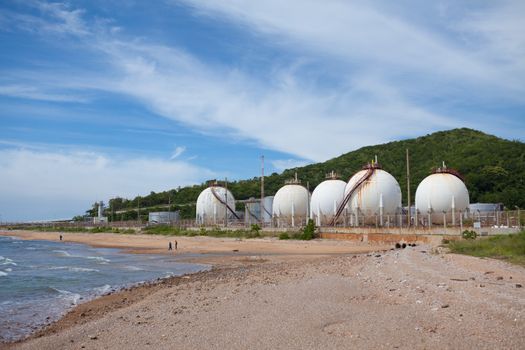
x=164 y=217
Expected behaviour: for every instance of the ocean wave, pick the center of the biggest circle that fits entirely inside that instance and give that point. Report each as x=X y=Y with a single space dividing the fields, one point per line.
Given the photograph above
x=69 y=255
x=63 y=253
x=73 y=269
x=6 y=261
x=2 y=273
x=103 y=289
x=8 y=269
x=97 y=258
x=67 y=295
x=133 y=268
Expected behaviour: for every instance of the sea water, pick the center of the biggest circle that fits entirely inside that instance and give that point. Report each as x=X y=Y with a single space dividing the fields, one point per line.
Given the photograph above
x=41 y=280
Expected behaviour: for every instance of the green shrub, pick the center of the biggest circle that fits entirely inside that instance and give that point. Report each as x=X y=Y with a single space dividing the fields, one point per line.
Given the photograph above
x=308 y=231
x=284 y=235
x=255 y=228
x=469 y=234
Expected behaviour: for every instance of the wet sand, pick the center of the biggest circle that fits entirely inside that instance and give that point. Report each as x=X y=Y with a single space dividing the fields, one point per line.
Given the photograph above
x=414 y=298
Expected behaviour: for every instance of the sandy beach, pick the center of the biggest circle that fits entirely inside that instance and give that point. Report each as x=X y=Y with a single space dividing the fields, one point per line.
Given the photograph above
x=300 y=295
x=216 y=251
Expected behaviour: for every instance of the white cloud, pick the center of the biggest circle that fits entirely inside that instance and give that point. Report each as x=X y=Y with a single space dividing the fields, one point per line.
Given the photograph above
x=178 y=151
x=386 y=67
x=34 y=93
x=52 y=184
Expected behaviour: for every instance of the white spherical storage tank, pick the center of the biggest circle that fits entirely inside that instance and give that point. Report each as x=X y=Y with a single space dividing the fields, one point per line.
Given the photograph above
x=211 y=208
x=377 y=196
x=290 y=205
x=441 y=197
x=326 y=198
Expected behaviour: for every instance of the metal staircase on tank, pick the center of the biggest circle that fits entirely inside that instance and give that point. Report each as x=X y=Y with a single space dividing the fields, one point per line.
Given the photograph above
x=369 y=172
x=216 y=195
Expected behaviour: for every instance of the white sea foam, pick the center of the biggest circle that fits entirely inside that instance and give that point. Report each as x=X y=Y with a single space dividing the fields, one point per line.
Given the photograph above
x=8 y=269
x=67 y=295
x=62 y=253
x=69 y=255
x=73 y=269
x=2 y=273
x=103 y=289
x=133 y=268
x=97 y=258
x=6 y=261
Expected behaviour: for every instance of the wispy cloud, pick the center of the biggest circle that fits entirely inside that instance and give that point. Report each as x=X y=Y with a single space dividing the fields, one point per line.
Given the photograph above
x=387 y=70
x=34 y=93
x=178 y=151
x=78 y=178
x=54 y=18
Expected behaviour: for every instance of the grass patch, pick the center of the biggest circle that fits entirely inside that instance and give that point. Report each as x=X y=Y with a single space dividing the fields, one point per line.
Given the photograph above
x=254 y=232
x=506 y=247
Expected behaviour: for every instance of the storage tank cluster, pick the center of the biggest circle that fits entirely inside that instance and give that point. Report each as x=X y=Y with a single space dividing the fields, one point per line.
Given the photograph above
x=371 y=196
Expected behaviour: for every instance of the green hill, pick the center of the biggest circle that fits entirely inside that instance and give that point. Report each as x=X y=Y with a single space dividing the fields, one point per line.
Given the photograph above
x=494 y=171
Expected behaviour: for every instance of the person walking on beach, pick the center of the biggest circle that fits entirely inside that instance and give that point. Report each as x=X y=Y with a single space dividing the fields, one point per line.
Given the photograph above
x=169 y=246
x=60 y=237
x=176 y=243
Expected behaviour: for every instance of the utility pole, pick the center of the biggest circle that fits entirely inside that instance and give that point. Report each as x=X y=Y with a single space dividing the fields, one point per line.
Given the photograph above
x=408 y=190
x=169 y=208
x=262 y=191
x=308 y=203
x=138 y=209
x=225 y=202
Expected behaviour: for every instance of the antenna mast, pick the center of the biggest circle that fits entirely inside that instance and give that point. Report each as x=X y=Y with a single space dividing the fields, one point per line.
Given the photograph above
x=409 y=214
x=261 y=207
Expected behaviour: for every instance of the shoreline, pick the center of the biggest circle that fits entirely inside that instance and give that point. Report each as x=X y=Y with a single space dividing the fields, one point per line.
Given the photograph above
x=97 y=307
x=409 y=298
x=208 y=250
x=218 y=253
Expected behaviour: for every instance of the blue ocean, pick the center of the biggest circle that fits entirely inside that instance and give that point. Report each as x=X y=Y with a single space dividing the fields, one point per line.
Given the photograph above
x=41 y=280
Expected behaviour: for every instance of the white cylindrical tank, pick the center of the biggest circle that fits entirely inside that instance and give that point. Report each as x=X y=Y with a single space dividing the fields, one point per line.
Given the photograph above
x=290 y=205
x=211 y=208
x=253 y=211
x=442 y=196
x=326 y=198
x=267 y=209
x=377 y=197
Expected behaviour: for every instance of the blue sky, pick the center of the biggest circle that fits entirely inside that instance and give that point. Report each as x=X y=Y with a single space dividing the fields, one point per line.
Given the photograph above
x=119 y=98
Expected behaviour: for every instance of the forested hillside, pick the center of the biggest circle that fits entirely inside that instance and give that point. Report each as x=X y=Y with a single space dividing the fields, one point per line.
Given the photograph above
x=494 y=171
